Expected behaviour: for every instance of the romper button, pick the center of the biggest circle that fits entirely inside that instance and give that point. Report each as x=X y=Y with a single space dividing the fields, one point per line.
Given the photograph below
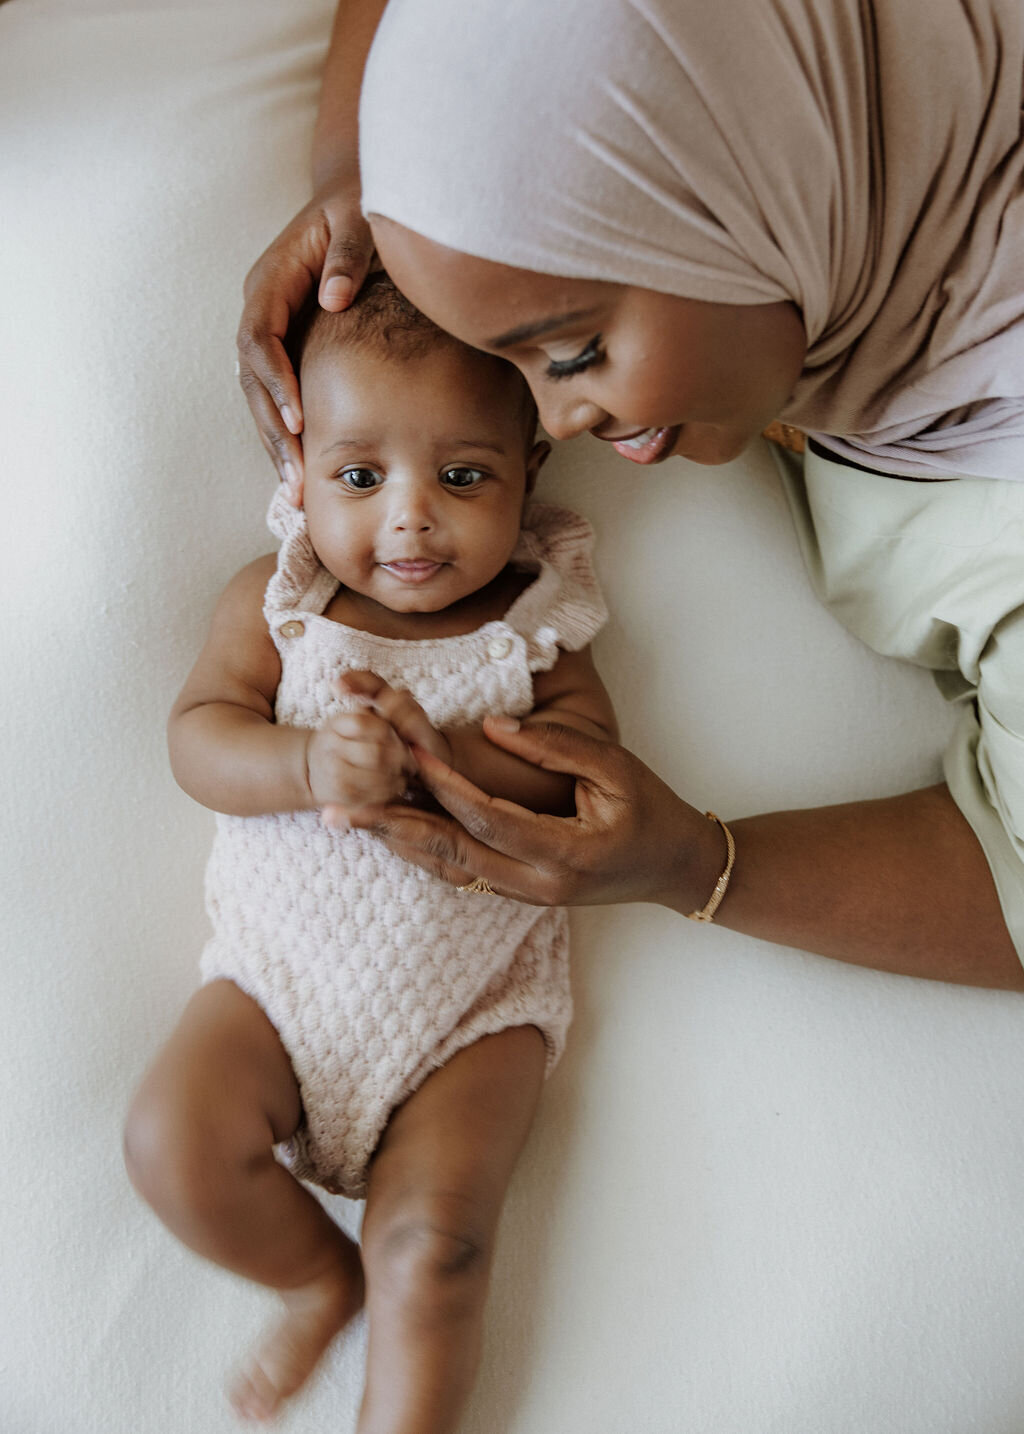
x=499 y=647
x=292 y=629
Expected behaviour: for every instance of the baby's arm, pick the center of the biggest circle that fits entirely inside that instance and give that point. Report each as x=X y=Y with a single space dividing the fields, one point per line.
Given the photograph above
x=572 y=695
x=228 y=752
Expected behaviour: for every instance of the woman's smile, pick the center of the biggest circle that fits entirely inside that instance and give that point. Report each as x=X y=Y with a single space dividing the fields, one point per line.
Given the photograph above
x=649 y=445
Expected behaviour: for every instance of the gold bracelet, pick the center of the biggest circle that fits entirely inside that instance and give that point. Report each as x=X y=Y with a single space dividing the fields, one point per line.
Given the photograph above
x=715 y=900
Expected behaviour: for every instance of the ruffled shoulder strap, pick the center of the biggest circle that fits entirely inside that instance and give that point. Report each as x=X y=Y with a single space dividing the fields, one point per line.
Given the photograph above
x=300 y=582
x=564 y=607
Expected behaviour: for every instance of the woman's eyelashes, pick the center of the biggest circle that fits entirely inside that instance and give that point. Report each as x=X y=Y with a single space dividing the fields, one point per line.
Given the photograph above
x=587 y=358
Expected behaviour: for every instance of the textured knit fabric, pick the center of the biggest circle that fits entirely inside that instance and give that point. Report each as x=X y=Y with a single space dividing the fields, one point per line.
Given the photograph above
x=862 y=159
x=934 y=573
x=374 y=972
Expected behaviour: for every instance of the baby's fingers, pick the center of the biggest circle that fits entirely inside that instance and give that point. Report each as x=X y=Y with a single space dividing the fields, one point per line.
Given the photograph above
x=399 y=709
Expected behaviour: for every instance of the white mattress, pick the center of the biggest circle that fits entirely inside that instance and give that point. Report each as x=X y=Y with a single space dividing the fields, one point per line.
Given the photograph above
x=766 y=1193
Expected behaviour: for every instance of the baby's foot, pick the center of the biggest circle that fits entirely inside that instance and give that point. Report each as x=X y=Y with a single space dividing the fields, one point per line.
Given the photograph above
x=315 y=1313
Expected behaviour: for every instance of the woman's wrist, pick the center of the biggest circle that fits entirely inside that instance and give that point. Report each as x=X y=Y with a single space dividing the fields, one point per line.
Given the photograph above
x=701 y=858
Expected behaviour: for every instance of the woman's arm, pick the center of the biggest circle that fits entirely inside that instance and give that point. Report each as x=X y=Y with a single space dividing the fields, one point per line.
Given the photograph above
x=328 y=244
x=899 y=885
x=336 y=136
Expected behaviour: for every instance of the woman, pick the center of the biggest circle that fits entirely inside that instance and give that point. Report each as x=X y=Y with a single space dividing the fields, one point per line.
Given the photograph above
x=678 y=230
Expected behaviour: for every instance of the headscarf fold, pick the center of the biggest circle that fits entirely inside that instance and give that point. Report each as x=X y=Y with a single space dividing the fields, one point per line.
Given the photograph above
x=860 y=158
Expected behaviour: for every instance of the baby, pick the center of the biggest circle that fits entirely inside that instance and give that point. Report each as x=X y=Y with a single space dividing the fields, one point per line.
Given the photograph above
x=362 y=1024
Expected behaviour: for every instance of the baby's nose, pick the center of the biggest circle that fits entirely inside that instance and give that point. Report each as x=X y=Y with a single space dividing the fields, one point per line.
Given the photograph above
x=412 y=508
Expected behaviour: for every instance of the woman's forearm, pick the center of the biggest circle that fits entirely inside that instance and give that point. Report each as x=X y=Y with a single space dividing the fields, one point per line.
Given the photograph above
x=336 y=136
x=900 y=885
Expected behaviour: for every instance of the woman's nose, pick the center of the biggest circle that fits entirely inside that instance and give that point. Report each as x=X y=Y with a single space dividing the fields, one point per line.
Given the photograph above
x=565 y=416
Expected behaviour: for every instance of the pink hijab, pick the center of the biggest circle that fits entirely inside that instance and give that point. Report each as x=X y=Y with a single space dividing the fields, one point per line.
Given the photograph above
x=861 y=158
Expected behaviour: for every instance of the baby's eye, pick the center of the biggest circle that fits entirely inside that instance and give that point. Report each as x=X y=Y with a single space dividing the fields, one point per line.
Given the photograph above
x=462 y=478
x=588 y=357
x=360 y=479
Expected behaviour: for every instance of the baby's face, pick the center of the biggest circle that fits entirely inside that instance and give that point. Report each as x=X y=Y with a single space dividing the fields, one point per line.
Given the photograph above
x=416 y=474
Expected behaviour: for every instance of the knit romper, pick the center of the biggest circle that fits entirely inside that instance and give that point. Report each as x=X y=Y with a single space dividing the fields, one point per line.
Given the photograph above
x=373 y=971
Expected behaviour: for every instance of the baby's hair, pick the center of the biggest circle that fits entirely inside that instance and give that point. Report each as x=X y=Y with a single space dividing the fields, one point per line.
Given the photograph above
x=382 y=320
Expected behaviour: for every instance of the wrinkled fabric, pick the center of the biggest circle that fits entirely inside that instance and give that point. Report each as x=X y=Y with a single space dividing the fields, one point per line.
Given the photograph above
x=860 y=158
x=934 y=574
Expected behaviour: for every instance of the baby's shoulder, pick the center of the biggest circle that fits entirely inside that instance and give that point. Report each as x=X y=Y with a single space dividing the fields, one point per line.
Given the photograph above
x=247 y=588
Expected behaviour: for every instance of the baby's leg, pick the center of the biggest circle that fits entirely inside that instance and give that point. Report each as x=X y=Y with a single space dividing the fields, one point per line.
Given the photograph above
x=198 y=1147
x=436 y=1189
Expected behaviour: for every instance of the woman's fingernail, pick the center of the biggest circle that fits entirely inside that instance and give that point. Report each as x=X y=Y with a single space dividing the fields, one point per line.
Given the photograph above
x=290 y=420
x=338 y=290
x=505 y=724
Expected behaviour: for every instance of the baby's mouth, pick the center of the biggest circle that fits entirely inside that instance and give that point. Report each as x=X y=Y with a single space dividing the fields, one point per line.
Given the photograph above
x=412 y=570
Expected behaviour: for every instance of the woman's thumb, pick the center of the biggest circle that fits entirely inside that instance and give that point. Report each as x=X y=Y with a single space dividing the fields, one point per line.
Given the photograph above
x=546 y=744
x=345 y=268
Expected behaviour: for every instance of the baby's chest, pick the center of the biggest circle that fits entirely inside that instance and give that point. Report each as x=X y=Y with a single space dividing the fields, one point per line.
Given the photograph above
x=455 y=680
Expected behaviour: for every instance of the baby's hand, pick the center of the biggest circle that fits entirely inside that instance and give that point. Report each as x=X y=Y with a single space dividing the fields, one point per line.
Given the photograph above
x=356 y=760
x=362 y=759
x=398 y=708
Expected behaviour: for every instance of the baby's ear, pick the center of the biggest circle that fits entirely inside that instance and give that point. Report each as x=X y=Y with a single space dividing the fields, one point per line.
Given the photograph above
x=293 y=486
x=538 y=457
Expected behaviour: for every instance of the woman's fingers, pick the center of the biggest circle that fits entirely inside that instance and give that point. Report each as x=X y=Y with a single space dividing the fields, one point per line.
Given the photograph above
x=552 y=746
x=437 y=843
x=328 y=243
x=283 y=449
x=492 y=821
x=275 y=290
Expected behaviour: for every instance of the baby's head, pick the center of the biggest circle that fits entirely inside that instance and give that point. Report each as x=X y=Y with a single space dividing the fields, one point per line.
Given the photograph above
x=419 y=453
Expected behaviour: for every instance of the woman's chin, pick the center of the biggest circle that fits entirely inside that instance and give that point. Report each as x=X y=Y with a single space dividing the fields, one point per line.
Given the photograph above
x=710 y=445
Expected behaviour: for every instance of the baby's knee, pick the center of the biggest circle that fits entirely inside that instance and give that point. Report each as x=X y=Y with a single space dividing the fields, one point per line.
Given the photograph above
x=170 y=1148
x=431 y=1258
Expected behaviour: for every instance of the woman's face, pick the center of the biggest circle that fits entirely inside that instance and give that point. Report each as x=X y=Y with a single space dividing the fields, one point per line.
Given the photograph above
x=648 y=372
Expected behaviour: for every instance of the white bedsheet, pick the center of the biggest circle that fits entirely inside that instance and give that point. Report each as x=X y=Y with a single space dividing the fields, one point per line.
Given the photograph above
x=766 y=1193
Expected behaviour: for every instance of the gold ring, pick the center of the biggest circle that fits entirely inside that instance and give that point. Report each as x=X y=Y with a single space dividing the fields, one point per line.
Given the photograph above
x=478 y=886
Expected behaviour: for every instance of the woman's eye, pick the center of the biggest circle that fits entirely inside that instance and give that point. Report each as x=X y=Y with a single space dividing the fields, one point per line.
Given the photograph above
x=360 y=479
x=566 y=368
x=462 y=477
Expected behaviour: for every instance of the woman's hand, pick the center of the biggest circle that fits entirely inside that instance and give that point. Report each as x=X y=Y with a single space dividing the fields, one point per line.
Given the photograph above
x=327 y=243
x=632 y=838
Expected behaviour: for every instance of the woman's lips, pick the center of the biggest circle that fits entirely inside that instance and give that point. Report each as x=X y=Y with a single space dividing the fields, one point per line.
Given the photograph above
x=412 y=570
x=647 y=445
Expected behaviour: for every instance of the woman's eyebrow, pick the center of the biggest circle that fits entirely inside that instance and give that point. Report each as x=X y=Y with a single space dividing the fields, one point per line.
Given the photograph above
x=524 y=332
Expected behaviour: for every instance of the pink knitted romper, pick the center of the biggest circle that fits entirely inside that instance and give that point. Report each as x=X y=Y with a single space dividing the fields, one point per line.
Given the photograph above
x=373 y=972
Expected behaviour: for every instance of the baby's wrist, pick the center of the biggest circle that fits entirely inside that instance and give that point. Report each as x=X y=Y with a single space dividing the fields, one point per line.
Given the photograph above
x=301 y=766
